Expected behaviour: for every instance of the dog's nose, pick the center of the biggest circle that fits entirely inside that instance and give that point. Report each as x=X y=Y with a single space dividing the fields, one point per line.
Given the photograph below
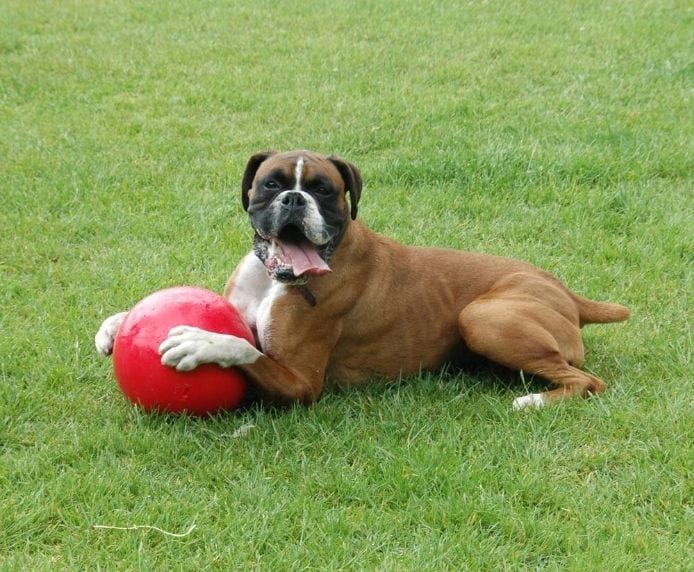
x=293 y=199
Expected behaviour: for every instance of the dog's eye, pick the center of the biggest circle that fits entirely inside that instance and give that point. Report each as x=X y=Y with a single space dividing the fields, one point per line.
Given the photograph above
x=322 y=191
x=272 y=185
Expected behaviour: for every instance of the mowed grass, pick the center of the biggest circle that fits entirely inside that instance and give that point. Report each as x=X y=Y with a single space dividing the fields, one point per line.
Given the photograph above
x=558 y=134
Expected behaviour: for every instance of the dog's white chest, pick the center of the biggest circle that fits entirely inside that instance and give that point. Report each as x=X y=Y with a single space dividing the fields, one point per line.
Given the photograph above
x=254 y=294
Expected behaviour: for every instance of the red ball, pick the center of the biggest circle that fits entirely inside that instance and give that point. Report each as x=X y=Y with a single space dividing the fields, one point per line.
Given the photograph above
x=156 y=387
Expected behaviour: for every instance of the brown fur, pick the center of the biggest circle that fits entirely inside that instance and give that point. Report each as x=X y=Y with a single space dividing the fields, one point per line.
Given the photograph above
x=388 y=310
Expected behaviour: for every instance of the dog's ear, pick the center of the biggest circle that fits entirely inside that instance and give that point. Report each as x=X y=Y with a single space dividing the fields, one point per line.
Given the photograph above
x=352 y=178
x=251 y=169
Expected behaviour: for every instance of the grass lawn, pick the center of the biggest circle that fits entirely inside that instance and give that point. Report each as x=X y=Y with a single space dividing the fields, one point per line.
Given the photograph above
x=558 y=133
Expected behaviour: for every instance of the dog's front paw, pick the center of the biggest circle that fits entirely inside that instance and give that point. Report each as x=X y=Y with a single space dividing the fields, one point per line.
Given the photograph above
x=187 y=347
x=106 y=335
x=184 y=347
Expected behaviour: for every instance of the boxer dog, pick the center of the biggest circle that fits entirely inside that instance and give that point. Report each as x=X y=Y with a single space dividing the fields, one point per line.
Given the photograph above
x=328 y=299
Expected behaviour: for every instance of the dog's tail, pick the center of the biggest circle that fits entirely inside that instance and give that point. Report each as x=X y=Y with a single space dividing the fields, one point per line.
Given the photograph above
x=592 y=312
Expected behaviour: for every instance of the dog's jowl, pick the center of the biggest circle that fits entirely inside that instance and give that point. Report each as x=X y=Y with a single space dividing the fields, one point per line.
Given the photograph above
x=328 y=299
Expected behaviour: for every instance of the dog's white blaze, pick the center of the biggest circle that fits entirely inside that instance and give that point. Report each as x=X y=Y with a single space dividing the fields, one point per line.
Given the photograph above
x=298 y=172
x=534 y=400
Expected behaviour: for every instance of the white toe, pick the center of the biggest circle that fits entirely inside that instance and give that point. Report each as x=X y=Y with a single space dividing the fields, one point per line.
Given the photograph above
x=106 y=335
x=532 y=400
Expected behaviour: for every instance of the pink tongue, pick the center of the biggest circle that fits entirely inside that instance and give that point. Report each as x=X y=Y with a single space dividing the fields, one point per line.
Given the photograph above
x=304 y=259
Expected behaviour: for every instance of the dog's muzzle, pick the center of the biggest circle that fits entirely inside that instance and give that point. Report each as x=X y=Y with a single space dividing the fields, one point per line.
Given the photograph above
x=292 y=238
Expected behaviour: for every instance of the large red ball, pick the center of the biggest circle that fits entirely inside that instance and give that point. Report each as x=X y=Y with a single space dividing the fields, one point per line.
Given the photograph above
x=156 y=387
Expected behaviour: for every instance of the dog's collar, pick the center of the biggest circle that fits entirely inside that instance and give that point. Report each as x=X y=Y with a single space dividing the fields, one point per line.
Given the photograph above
x=307 y=295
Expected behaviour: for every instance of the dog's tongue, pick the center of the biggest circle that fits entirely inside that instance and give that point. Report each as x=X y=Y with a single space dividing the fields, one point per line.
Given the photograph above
x=304 y=258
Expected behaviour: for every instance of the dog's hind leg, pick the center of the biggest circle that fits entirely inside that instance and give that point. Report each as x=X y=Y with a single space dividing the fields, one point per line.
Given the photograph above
x=523 y=333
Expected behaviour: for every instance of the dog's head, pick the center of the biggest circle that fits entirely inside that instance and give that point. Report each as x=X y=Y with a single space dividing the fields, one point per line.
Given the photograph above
x=297 y=203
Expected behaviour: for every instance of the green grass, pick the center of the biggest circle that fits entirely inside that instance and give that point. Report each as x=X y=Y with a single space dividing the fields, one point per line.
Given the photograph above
x=561 y=136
